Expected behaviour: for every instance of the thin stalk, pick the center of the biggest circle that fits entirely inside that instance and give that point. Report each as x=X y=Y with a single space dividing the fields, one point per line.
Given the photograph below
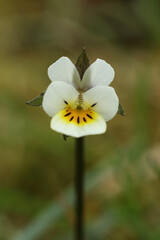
x=79 y=188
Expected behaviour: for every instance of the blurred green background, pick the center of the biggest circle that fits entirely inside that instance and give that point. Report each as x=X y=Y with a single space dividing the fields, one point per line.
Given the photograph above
x=36 y=164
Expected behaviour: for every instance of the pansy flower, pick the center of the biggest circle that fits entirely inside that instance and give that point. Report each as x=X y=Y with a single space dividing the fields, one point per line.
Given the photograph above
x=80 y=107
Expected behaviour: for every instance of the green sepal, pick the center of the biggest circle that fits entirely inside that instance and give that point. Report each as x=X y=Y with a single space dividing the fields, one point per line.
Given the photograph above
x=65 y=137
x=37 y=101
x=120 y=110
x=82 y=63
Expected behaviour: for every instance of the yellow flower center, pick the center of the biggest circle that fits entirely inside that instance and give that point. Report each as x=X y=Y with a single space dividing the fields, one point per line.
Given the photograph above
x=78 y=116
x=79 y=112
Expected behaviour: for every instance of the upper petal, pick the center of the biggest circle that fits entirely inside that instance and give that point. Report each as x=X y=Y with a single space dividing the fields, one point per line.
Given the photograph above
x=99 y=73
x=64 y=70
x=57 y=96
x=104 y=101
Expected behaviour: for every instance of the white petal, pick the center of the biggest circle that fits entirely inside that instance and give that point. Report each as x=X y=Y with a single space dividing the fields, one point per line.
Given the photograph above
x=100 y=73
x=63 y=125
x=56 y=95
x=105 y=100
x=64 y=70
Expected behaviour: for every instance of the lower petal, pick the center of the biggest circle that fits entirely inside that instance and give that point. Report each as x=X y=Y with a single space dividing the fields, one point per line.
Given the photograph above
x=78 y=123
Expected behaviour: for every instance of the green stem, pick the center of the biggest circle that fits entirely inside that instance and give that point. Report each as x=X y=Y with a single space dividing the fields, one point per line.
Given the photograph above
x=79 y=182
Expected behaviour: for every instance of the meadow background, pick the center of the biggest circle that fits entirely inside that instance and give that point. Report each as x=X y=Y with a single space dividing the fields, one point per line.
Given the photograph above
x=36 y=164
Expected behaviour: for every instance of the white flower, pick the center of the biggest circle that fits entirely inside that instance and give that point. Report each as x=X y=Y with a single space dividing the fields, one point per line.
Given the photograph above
x=80 y=107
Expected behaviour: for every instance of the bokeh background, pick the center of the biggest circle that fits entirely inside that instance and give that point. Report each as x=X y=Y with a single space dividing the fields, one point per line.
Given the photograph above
x=123 y=165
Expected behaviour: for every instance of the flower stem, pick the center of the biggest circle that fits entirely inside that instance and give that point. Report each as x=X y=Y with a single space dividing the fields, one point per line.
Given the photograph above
x=79 y=182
